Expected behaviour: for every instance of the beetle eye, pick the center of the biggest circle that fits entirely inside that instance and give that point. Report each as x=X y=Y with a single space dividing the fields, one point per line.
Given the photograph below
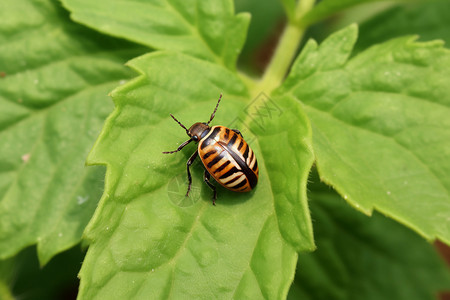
x=195 y=138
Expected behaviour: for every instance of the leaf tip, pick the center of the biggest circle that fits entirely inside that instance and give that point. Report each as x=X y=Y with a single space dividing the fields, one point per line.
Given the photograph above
x=351 y=32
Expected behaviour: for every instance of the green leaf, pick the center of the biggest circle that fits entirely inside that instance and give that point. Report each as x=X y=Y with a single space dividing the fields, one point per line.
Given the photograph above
x=326 y=8
x=428 y=20
x=147 y=240
x=53 y=99
x=28 y=280
x=6 y=277
x=5 y=293
x=364 y=258
x=205 y=29
x=287 y=154
x=381 y=132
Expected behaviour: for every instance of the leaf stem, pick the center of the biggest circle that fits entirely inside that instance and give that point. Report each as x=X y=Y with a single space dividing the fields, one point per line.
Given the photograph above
x=285 y=51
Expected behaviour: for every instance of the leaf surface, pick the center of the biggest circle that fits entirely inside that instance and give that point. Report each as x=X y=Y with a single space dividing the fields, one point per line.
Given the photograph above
x=364 y=258
x=205 y=29
x=53 y=99
x=147 y=239
x=381 y=132
x=26 y=279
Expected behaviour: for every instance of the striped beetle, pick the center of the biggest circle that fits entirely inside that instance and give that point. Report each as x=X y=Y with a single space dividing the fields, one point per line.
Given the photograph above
x=225 y=155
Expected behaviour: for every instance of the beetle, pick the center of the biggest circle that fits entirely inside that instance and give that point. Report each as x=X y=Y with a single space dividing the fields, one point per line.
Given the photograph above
x=225 y=155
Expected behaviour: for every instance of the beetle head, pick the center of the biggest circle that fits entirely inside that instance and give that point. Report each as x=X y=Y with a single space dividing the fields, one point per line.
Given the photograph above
x=197 y=131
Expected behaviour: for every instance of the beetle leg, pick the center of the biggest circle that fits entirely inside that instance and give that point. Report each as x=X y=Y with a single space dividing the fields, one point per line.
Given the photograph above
x=206 y=177
x=188 y=164
x=238 y=132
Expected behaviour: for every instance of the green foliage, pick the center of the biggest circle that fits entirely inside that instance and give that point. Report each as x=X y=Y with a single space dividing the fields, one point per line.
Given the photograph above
x=353 y=250
x=53 y=98
x=375 y=123
x=205 y=29
x=30 y=280
x=371 y=118
x=170 y=243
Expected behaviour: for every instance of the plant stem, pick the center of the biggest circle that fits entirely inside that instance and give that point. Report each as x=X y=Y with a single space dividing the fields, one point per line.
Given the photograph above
x=285 y=51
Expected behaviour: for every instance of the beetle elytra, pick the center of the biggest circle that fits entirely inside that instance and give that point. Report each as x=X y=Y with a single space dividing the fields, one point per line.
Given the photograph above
x=225 y=155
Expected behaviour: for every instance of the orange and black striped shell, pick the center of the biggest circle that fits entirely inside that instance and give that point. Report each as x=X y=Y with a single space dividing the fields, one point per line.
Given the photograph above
x=229 y=159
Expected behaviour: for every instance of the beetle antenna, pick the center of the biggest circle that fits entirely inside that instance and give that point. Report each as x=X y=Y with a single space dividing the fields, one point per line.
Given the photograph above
x=180 y=147
x=179 y=123
x=215 y=109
